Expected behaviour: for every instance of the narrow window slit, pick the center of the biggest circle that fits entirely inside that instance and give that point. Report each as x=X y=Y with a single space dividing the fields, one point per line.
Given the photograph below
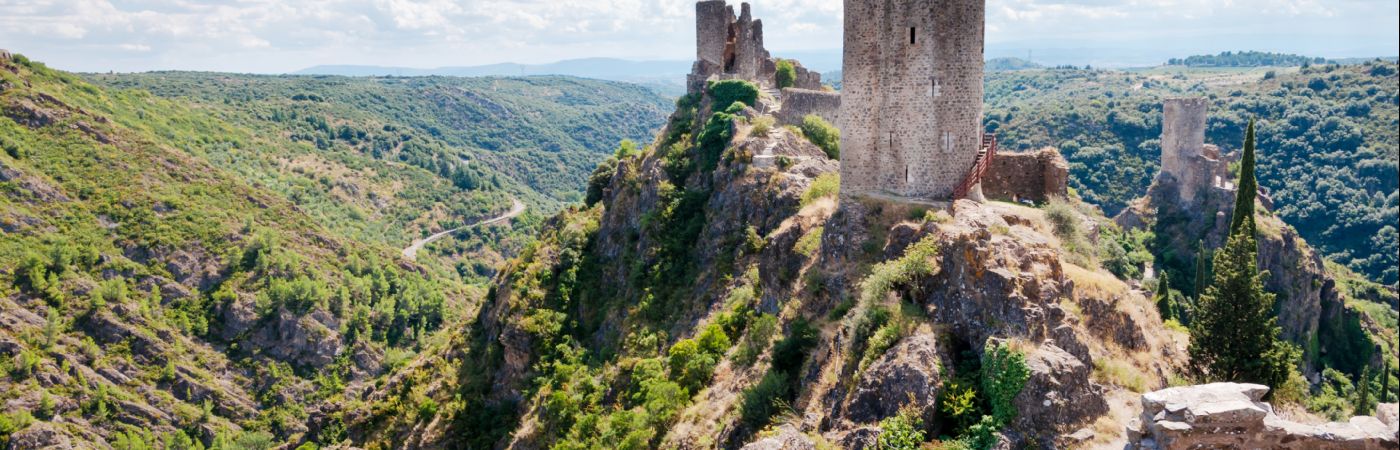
x=913 y=36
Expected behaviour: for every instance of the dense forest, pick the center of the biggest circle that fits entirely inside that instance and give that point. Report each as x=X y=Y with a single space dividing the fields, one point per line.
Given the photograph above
x=1327 y=149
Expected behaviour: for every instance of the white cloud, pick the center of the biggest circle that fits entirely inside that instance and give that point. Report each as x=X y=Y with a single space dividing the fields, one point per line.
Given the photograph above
x=272 y=35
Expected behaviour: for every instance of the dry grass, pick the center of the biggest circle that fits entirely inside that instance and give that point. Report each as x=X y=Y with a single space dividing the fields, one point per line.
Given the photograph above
x=1119 y=372
x=1096 y=284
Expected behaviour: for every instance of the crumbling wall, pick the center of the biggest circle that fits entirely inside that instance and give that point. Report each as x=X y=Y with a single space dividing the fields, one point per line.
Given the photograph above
x=911 y=106
x=1036 y=176
x=798 y=103
x=730 y=47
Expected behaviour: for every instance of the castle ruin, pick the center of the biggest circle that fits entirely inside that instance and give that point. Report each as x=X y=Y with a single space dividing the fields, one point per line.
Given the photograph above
x=1186 y=159
x=730 y=47
x=911 y=106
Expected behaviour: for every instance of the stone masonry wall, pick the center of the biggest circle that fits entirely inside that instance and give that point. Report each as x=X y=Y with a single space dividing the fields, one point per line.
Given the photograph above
x=798 y=103
x=1034 y=176
x=911 y=112
x=1231 y=415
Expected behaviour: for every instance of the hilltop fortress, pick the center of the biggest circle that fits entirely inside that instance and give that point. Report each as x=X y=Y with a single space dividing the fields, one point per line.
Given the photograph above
x=911 y=111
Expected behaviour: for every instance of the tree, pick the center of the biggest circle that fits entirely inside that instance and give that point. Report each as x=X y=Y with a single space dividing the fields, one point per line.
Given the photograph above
x=1248 y=188
x=1362 y=407
x=1200 y=286
x=1234 y=334
x=1163 y=298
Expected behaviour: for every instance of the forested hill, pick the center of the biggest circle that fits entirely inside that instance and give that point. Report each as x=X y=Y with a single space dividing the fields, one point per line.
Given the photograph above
x=1247 y=59
x=1327 y=140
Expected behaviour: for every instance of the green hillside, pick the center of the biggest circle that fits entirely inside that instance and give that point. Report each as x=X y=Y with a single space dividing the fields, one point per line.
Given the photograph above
x=220 y=260
x=1328 y=148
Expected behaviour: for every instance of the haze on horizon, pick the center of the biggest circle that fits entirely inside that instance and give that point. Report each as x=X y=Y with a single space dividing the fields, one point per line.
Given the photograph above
x=263 y=36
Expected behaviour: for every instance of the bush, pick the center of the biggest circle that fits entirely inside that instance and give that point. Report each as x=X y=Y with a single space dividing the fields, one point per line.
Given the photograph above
x=599 y=180
x=1004 y=374
x=826 y=185
x=726 y=92
x=822 y=134
x=12 y=148
x=763 y=400
x=762 y=125
x=787 y=74
x=903 y=431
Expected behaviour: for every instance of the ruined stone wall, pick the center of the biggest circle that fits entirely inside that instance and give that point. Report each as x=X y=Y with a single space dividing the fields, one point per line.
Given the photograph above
x=730 y=47
x=911 y=112
x=798 y=103
x=1034 y=176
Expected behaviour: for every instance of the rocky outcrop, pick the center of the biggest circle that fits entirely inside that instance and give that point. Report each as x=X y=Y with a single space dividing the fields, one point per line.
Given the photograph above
x=787 y=437
x=1232 y=415
x=907 y=375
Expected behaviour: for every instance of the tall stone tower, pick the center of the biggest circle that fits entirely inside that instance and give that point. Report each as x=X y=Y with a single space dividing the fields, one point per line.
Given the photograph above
x=1183 y=145
x=911 y=105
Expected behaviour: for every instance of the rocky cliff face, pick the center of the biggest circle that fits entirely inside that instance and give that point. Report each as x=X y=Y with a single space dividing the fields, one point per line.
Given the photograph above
x=835 y=313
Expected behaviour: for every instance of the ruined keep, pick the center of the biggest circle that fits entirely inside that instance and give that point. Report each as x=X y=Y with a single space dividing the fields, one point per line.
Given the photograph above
x=730 y=47
x=911 y=107
x=1187 y=160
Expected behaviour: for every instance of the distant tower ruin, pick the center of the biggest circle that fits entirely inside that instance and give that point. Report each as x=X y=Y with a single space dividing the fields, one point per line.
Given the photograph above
x=911 y=105
x=1186 y=158
x=730 y=47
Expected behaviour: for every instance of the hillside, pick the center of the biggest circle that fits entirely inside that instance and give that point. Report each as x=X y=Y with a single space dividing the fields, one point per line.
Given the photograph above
x=1328 y=148
x=717 y=277
x=394 y=159
x=219 y=262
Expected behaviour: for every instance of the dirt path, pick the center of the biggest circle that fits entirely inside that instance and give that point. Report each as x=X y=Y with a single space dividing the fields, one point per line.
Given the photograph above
x=411 y=252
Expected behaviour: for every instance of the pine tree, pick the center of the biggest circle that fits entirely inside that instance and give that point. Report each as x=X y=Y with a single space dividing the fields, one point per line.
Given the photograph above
x=1234 y=333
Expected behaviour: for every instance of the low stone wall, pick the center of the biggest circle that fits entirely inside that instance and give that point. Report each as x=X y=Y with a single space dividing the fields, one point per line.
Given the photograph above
x=798 y=103
x=1034 y=176
x=1231 y=415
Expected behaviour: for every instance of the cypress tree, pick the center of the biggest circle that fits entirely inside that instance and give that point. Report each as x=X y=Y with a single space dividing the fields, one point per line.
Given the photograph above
x=1363 y=393
x=1248 y=186
x=1234 y=333
x=1200 y=287
x=1163 y=298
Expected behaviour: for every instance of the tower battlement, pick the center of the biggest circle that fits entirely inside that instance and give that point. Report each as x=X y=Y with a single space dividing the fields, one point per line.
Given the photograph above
x=911 y=105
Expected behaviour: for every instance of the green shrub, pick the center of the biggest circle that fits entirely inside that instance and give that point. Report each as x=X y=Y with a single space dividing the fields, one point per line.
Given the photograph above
x=764 y=399
x=822 y=134
x=825 y=185
x=599 y=180
x=903 y=431
x=427 y=409
x=726 y=92
x=756 y=340
x=787 y=74
x=809 y=243
x=12 y=148
x=1004 y=374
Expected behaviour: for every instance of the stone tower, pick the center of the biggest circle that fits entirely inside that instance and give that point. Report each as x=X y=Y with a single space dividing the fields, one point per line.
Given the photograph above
x=1185 y=156
x=911 y=105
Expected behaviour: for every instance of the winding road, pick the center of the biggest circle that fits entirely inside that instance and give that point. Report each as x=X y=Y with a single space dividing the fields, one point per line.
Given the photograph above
x=411 y=252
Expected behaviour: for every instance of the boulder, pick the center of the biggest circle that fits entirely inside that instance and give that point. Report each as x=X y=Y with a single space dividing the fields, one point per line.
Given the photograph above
x=1231 y=415
x=41 y=435
x=1058 y=395
x=907 y=374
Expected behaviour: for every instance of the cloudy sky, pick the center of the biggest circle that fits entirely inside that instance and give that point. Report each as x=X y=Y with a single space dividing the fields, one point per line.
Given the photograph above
x=283 y=36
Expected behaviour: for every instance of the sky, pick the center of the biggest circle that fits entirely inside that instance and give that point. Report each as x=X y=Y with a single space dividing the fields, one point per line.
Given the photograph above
x=265 y=36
